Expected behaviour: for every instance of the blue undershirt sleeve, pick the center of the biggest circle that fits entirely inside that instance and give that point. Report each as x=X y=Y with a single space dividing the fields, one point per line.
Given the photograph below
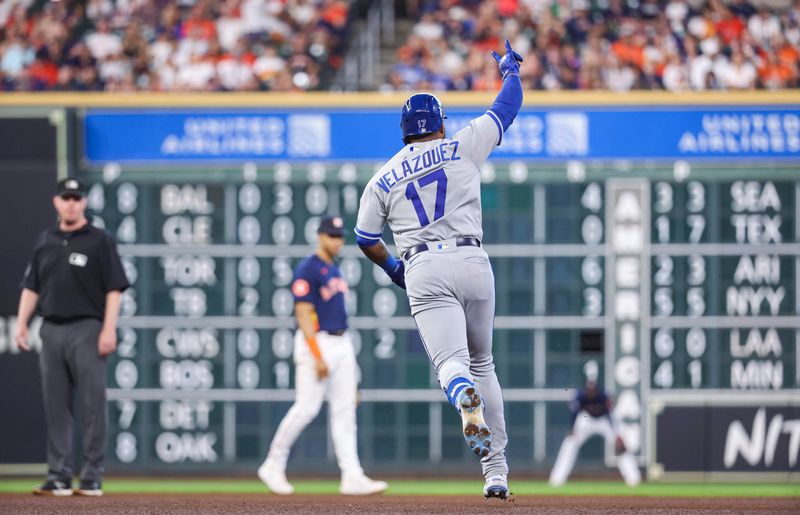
x=366 y=239
x=508 y=101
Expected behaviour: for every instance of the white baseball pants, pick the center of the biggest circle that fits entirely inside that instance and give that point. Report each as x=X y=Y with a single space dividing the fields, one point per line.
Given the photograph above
x=340 y=389
x=586 y=426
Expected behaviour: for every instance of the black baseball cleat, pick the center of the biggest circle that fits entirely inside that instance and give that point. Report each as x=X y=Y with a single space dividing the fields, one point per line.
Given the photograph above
x=90 y=488
x=476 y=432
x=54 y=488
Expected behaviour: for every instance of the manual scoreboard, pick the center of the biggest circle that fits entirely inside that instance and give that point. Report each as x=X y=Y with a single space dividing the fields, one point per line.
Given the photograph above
x=667 y=279
x=654 y=243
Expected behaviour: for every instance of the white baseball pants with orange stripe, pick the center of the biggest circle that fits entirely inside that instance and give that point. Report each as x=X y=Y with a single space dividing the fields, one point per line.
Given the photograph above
x=340 y=389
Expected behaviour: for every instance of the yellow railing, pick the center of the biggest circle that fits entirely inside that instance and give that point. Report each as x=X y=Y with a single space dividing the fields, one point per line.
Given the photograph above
x=372 y=99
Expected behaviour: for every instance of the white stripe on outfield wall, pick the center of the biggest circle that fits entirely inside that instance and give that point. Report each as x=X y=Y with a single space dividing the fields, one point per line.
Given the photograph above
x=539 y=432
x=494 y=250
x=683 y=396
x=501 y=322
x=229 y=432
x=363 y=323
x=435 y=428
x=367 y=395
x=724 y=322
x=720 y=396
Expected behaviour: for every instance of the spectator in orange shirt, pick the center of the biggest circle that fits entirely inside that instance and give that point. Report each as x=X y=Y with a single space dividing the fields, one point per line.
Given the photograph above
x=506 y=8
x=787 y=55
x=334 y=14
x=730 y=27
x=199 y=25
x=43 y=71
x=629 y=47
x=774 y=75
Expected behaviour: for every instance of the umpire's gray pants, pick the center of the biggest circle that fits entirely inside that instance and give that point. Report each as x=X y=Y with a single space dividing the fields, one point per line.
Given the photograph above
x=451 y=292
x=70 y=360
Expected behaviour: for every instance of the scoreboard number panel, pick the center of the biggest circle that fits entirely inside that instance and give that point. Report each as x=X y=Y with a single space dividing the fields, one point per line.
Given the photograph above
x=210 y=310
x=724 y=312
x=663 y=286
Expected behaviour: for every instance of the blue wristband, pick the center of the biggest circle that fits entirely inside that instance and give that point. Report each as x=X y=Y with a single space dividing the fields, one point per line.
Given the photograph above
x=390 y=265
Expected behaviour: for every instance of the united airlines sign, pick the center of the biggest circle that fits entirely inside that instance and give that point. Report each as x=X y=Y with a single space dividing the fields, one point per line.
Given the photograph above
x=553 y=134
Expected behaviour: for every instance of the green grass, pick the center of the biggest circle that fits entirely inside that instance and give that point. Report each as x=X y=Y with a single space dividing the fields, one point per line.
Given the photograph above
x=434 y=487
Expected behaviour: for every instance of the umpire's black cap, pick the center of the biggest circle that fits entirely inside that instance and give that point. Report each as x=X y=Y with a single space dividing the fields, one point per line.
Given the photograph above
x=70 y=187
x=331 y=225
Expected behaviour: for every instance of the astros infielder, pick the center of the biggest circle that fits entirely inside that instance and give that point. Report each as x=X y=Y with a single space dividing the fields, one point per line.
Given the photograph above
x=591 y=414
x=429 y=193
x=326 y=368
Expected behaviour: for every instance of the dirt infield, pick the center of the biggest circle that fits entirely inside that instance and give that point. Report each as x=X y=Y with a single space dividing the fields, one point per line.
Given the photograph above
x=319 y=504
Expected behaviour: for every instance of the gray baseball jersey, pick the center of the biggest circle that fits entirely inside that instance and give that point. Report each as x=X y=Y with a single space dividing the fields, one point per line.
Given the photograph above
x=430 y=192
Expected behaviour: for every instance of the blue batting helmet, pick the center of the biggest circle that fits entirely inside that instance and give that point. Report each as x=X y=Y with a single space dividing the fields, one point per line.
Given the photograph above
x=422 y=114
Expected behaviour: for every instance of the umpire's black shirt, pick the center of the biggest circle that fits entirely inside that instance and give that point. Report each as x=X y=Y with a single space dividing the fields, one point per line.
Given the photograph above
x=72 y=272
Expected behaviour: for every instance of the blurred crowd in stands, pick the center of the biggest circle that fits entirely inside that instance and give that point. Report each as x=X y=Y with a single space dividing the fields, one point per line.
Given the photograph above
x=617 y=45
x=170 y=45
x=295 y=45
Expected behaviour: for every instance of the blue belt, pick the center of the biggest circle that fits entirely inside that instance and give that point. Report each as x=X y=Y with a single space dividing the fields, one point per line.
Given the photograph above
x=338 y=332
x=423 y=247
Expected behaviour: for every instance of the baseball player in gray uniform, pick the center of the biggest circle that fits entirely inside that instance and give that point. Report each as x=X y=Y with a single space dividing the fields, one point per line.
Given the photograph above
x=429 y=193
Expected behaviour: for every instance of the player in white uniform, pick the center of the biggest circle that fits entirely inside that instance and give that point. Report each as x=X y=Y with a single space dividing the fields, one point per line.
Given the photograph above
x=429 y=193
x=326 y=368
x=591 y=415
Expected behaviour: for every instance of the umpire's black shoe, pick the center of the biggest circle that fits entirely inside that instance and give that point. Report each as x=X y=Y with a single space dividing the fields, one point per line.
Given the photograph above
x=90 y=487
x=54 y=488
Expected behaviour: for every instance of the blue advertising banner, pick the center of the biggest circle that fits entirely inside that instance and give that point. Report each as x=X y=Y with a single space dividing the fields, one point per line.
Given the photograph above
x=553 y=134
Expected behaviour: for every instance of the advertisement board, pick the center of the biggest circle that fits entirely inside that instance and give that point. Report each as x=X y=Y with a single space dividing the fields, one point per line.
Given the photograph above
x=716 y=438
x=553 y=134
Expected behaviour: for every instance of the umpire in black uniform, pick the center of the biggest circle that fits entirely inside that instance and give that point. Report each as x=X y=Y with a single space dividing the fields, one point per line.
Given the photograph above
x=75 y=278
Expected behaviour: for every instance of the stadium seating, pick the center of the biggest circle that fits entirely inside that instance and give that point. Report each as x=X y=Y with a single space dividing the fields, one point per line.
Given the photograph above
x=297 y=45
x=156 y=45
x=617 y=45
